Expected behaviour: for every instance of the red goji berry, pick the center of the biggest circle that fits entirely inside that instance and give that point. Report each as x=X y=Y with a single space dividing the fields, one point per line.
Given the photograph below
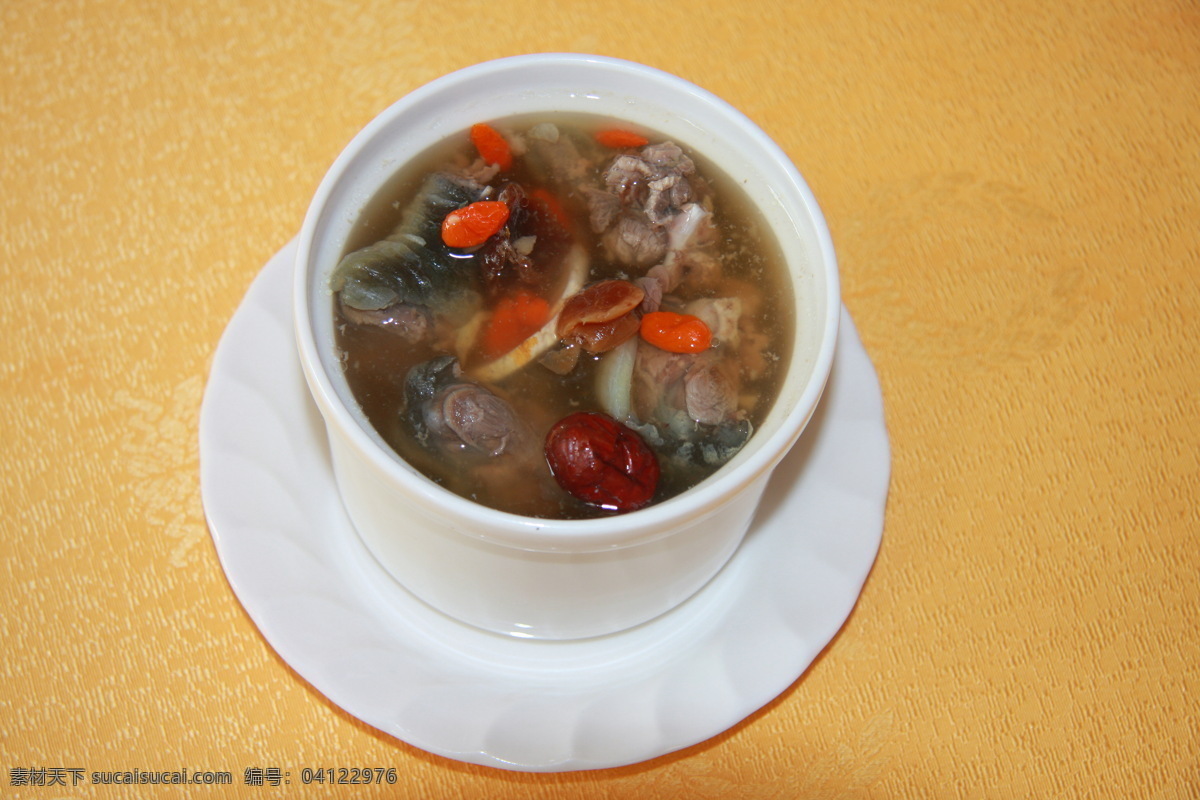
x=474 y=224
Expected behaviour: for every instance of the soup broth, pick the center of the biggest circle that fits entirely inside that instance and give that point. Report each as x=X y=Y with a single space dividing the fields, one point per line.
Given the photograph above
x=611 y=342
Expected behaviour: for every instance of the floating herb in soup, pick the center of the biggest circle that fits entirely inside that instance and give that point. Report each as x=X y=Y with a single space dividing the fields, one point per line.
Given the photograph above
x=563 y=317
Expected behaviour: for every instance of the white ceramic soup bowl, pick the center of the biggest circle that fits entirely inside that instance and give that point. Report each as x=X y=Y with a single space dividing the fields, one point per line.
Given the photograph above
x=540 y=578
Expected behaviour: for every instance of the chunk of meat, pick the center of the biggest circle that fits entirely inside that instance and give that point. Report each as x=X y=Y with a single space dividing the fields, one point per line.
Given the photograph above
x=710 y=395
x=657 y=387
x=635 y=241
x=626 y=176
x=660 y=170
x=555 y=157
x=687 y=406
x=603 y=208
x=644 y=193
x=686 y=229
x=665 y=197
x=469 y=414
x=410 y=322
x=722 y=315
x=700 y=268
x=704 y=386
x=450 y=413
x=480 y=171
x=668 y=157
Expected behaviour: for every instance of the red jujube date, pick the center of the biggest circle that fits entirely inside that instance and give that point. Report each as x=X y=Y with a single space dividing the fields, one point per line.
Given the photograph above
x=598 y=460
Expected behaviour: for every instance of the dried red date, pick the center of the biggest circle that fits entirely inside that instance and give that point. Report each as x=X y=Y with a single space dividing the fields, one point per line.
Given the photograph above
x=598 y=460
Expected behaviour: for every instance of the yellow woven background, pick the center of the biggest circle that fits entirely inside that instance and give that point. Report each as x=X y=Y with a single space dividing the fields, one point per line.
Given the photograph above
x=1014 y=192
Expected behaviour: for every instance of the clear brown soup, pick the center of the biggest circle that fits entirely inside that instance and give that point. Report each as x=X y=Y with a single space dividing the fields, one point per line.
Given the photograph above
x=430 y=358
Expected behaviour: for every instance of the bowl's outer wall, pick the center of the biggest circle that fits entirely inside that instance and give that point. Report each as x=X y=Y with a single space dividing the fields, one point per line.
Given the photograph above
x=559 y=578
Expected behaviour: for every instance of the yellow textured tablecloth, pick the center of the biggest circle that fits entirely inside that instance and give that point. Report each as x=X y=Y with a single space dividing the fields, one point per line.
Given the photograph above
x=1014 y=192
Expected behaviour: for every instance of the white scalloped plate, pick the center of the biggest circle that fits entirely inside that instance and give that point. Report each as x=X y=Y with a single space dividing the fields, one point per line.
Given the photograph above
x=334 y=615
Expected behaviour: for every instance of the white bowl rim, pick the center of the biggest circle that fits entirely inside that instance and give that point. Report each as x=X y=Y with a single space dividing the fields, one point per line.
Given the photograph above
x=533 y=533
